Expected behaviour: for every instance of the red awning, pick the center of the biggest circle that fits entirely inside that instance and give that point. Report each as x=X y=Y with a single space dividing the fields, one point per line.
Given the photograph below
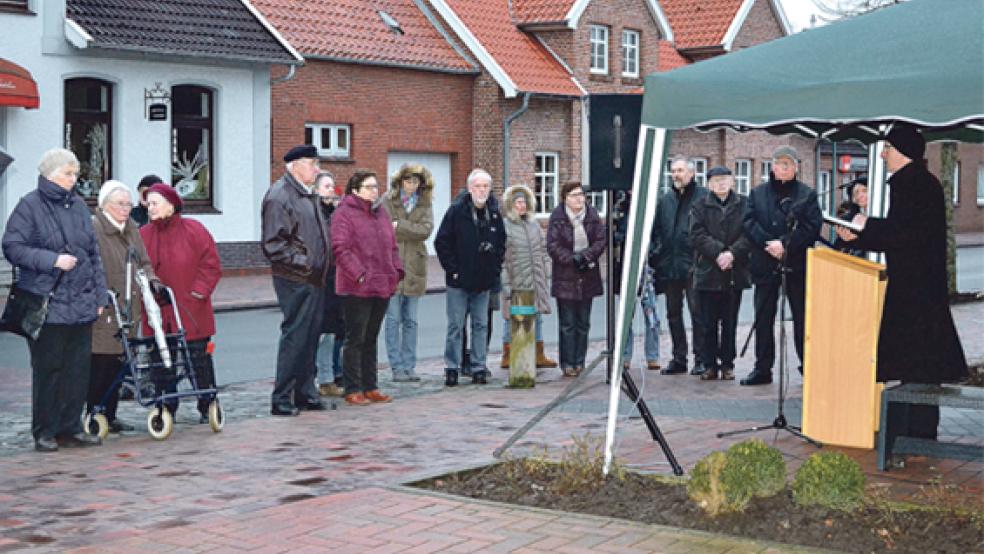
x=17 y=87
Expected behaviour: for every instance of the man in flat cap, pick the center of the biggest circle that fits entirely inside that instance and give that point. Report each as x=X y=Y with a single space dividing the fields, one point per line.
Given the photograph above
x=295 y=240
x=782 y=220
x=917 y=342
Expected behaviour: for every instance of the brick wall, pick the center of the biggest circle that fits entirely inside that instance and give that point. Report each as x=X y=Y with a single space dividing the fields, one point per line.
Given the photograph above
x=761 y=25
x=968 y=215
x=241 y=255
x=388 y=108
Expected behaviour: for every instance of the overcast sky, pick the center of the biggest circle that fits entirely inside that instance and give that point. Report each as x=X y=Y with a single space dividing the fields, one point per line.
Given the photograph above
x=798 y=12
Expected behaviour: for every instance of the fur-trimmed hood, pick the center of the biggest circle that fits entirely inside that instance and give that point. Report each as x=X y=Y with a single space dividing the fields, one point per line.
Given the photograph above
x=507 y=202
x=426 y=180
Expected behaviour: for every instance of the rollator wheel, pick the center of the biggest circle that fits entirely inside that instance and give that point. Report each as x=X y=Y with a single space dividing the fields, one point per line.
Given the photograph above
x=160 y=423
x=96 y=425
x=216 y=416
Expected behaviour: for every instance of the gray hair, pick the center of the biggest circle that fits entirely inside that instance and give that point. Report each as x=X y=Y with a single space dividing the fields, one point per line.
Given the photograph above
x=55 y=159
x=476 y=174
x=109 y=188
x=324 y=174
x=690 y=163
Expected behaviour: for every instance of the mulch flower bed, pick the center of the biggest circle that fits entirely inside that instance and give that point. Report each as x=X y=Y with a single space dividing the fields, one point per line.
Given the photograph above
x=941 y=522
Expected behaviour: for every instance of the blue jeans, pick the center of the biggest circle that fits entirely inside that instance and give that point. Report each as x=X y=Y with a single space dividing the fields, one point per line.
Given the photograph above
x=461 y=303
x=507 y=330
x=329 y=359
x=652 y=340
x=401 y=333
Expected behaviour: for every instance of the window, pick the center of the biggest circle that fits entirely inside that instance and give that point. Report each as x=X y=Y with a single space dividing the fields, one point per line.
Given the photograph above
x=599 y=49
x=824 y=191
x=545 y=178
x=667 y=183
x=700 y=171
x=597 y=201
x=743 y=175
x=14 y=6
x=980 y=185
x=766 y=169
x=89 y=131
x=332 y=140
x=956 y=183
x=630 y=53
x=192 y=143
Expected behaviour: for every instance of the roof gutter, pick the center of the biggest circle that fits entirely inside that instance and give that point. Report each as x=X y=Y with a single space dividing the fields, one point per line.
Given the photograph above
x=506 y=124
x=289 y=76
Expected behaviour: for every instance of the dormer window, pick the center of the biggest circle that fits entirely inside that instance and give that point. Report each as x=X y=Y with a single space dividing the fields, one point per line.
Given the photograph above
x=390 y=22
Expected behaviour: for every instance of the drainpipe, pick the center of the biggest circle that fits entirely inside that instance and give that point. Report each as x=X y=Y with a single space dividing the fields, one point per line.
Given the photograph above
x=285 y=78
x=505 y=137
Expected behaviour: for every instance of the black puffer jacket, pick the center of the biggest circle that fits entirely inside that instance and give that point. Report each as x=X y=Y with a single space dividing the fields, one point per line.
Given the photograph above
x=765 y=220
x=295 y=237
x=32 y=241
x=671 y=250
x=462 y=230
x=715 y=227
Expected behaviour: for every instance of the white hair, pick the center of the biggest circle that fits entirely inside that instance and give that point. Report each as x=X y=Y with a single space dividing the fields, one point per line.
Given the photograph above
x=690 y=163
x=55 y=159
x=109 y=188
x=476 y=174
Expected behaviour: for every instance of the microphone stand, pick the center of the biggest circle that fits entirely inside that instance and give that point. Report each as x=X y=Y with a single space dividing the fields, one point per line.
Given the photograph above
x=780 y=422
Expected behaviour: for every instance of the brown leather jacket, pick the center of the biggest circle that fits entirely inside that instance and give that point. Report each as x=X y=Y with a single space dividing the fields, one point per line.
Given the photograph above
x=295 y=236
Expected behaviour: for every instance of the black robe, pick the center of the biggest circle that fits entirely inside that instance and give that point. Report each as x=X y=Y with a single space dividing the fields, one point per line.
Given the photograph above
x=917 y=341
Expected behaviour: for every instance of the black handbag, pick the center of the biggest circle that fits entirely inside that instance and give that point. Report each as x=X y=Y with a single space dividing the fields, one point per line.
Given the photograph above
x=25 y=312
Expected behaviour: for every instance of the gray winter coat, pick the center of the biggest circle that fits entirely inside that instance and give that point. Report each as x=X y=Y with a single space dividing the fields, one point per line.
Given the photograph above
x=32 y=242
x=525 y=264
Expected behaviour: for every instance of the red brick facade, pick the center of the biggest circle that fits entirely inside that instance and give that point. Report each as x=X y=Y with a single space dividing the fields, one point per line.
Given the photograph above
x=968 y=212
x=389 y=109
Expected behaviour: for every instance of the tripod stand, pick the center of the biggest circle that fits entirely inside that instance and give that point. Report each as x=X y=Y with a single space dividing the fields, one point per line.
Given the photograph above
x=780 y=422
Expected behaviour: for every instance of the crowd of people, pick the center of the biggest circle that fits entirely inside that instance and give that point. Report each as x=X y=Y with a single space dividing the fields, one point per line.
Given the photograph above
x=344 y=262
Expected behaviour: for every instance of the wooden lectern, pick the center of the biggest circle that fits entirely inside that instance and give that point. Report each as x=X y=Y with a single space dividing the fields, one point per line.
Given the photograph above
x=844 y=297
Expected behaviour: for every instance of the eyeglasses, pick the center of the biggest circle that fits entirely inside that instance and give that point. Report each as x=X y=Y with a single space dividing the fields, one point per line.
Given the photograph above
x=575 y=194
x=369 y=187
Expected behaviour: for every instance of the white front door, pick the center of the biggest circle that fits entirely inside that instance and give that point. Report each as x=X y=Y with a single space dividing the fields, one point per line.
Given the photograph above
x=440 y=167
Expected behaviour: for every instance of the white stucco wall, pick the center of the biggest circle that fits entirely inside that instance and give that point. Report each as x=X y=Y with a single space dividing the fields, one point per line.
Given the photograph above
x=242 y=122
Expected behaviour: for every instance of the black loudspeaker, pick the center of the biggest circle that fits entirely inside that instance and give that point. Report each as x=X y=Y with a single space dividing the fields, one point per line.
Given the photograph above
x=613 y=120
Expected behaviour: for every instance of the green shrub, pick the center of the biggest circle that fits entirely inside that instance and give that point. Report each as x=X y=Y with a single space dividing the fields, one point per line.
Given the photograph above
x=727 y=481
x=829 y=479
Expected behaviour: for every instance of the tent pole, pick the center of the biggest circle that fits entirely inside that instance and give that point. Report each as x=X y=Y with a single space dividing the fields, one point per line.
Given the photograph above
x=877 y=190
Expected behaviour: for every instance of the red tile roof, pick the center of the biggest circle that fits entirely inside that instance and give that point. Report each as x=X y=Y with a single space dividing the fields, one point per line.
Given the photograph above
x=522 y=57
x=669 y=57
x=700 y=23
x=540 y=11
x=353 y=30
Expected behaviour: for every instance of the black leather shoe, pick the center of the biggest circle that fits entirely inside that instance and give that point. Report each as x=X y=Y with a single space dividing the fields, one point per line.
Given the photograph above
x=117 y=426
x=79 y=440
x=284 y=409
x=311 y=406
x=450 y=377
x=757 y=377
x=46 y=445
x=698 y=369
x=480 y=378
x=675 y=368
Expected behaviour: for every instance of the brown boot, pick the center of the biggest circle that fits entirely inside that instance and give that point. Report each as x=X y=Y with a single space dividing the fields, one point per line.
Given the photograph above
x=542 y=361
x=504 y=364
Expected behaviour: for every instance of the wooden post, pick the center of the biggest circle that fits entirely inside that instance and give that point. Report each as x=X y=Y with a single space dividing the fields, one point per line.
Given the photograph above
x=522 y=349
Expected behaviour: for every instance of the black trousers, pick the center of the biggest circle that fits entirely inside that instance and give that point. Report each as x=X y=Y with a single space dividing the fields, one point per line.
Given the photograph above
x=60 y=361
x=574 y=317
x=766 y=301
x=720 y=312
x=303 y=307
x=104 y=370
x=363 y=319
x=675 y=291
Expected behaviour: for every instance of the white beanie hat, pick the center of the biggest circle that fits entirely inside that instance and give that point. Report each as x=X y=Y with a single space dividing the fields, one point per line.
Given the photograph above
x=108 y=188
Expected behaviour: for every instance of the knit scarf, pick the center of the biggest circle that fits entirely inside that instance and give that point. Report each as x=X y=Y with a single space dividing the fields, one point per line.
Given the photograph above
x=580 y=235
x=409 y=201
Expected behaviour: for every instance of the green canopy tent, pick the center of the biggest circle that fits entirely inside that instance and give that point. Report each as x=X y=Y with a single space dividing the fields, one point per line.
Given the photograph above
x=921 y=62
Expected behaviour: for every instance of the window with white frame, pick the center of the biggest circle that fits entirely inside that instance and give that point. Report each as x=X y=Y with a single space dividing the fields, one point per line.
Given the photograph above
x=824 y=188
x=980 y=185
x=599 y=49
x=700 y=171
x=743 y=175
x=596 y=200
x=956 y=183
x=766 y=169
x=546 y=175
x=667 y=182
x=332 y=140
x=630 y=53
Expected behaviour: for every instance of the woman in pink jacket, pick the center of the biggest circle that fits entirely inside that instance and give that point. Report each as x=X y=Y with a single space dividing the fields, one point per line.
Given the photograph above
x=368 y=269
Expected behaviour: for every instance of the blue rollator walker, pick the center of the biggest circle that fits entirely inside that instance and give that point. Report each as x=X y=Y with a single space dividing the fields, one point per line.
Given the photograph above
x=150 y=372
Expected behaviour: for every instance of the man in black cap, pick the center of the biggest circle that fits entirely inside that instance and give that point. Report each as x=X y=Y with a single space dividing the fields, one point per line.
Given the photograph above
x=917 y=341
x=782 y=220
x=295 y=240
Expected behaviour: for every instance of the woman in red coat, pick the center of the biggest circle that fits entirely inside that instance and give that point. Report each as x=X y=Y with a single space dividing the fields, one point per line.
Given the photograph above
x=184 y=258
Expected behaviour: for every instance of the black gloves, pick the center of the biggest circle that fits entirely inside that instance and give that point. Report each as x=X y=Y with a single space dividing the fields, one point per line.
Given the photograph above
x=581 y=263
